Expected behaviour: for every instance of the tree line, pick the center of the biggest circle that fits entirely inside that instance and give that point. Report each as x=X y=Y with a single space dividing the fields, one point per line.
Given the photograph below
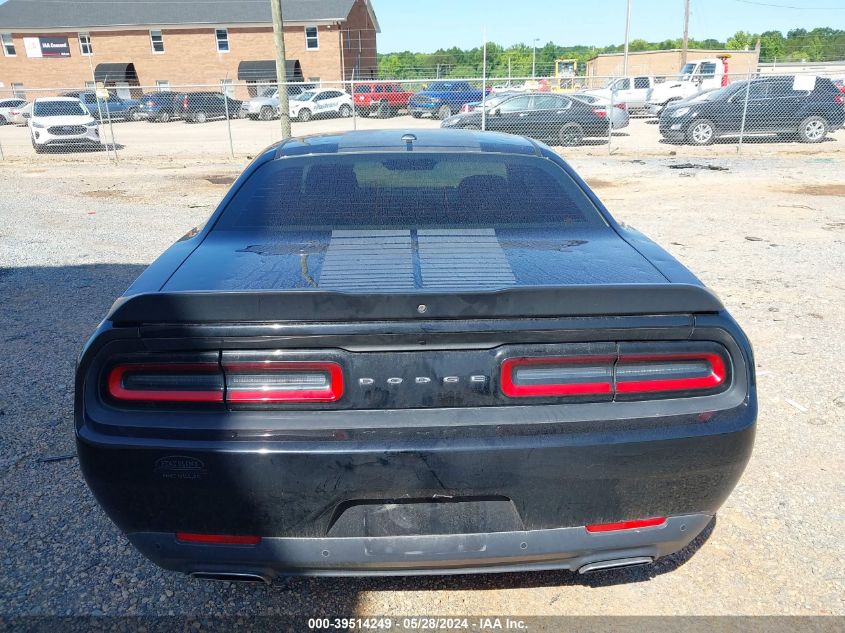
x=518 y=60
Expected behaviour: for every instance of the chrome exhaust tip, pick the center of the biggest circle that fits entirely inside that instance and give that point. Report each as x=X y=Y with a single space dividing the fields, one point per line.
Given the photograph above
x=615 y=563
x=230 y=576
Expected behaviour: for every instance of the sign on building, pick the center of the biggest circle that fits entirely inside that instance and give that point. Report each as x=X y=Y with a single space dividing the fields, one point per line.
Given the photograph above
x=46 y=46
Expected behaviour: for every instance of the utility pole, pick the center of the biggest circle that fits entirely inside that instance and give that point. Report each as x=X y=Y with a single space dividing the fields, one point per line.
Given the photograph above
x=627 y=35
x=534 y=59
x=281 y=69
x=686 y=34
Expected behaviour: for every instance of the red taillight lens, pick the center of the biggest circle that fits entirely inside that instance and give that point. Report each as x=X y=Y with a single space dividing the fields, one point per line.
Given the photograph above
x=283 y=381
x=626 y=525
x=166 y=382
x=217 y=539
x=649 y=373
x=185 y=102
x=555 y=376
x=840 y=99
x=621 y=106
x=601 y=113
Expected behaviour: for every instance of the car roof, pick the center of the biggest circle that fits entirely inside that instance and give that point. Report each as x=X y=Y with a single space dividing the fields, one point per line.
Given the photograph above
x=425 y=140
x=43 y=99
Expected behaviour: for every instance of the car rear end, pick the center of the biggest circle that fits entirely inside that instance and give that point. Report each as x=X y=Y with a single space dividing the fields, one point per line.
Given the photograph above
x=340 y=398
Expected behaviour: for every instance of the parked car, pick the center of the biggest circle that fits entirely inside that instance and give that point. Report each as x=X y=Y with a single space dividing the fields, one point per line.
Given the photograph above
x=696 y=77
x=61 y=121
x=491 y=101
x=7 y=106
x=632 y=91
x=160 y=107
x=618 y=112
x=455 y=360
x=776 y=105
x=442 y=99
x=383 y=98
x=320 y=103
x=199 y=107
x=115 y=107
x=21 y=114
x=266 y=106
x=542 y=116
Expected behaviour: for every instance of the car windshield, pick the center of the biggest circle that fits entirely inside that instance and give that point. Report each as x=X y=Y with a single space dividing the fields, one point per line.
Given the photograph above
x=420 y=190
x=60 y=108
x=687 y=71
x=442 y=86
x=362 y=89
x=304 y=96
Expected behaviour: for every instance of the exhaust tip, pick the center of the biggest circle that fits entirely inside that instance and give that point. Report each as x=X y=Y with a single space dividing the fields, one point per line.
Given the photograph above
x=229 y=576
x=616 y=563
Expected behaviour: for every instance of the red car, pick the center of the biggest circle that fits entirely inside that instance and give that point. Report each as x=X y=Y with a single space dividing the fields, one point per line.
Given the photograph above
x=384 y=98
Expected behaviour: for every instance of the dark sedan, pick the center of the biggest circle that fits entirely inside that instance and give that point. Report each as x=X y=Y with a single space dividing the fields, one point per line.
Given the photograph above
x=546 y=117
x=161 y=106
x=413 y=352
x=803 y=108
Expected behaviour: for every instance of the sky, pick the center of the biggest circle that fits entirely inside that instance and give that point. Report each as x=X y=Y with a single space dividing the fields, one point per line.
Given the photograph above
x=426 y=26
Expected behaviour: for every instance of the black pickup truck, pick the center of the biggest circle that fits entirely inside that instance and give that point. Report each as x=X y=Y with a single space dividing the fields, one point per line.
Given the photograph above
x=429 y=352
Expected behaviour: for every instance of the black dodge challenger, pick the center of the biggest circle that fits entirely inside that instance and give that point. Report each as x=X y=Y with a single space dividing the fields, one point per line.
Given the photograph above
x=430 y=352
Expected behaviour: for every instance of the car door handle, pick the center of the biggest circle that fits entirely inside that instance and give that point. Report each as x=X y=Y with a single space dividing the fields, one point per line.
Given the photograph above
x=522 y=114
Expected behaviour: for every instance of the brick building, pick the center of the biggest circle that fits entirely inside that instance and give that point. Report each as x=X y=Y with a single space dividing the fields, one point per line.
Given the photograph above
x=160 y=44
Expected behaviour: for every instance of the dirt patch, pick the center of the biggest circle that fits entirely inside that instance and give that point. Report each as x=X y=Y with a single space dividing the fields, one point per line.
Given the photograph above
x=220 y=179
x=821 y=190
x=598 y=183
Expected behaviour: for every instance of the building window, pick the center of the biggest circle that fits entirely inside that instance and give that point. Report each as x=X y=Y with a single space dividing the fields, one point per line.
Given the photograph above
x=163 y=85
x=8 y=44
x=157 y=41
x=222 y=40
x=312 y=39
x=18 y=91
x=227 y=87
x=85 y=44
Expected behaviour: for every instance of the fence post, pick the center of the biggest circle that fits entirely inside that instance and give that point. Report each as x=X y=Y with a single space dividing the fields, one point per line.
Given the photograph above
x=744 y=114
x=111 y=130
x=2 y=155
x=228 y=118
x=610 y=124
x=354 y=109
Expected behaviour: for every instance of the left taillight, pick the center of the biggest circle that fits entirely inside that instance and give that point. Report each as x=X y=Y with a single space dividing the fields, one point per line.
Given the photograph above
x=292 y=382
x=166 y=382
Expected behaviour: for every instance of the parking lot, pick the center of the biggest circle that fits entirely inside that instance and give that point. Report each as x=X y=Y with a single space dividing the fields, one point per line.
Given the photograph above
x=178 y=140
x=765 y=230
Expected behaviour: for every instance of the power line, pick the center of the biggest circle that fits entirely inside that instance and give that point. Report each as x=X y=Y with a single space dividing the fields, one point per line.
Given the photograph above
x=789 y=6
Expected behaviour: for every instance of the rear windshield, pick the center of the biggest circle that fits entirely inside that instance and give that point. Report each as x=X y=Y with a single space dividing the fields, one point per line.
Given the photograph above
x=403 y=190
x=59 y=108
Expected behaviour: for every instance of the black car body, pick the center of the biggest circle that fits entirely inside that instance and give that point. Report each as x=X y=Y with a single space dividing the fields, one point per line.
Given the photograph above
x=199 y=107
x=434 y=352
x=546 y=117
x=775 y=105
x=161 y=106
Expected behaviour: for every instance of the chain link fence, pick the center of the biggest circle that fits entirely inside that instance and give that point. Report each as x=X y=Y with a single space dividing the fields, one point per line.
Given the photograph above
x=637 y=116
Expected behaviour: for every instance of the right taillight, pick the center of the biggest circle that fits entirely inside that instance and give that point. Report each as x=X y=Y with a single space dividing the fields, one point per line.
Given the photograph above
x=839 y=99
x=628 y=375
x=652 y=373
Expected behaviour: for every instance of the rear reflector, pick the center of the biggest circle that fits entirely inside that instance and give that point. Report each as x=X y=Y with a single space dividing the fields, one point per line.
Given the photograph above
x=626 y=525
x=217 y=539
x=166 y=382
x=555 y=376
x=669 y=372
x=600 y=113
x=283 y=381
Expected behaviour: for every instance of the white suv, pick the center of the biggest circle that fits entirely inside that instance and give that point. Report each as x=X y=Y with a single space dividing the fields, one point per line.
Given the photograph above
x=305 y=106
x=57 y=121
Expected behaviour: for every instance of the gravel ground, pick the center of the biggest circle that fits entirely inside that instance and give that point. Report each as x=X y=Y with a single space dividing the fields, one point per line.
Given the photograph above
x=767 y=235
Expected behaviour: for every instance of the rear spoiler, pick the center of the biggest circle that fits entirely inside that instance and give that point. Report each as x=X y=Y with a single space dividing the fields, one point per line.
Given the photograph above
x=320 y=305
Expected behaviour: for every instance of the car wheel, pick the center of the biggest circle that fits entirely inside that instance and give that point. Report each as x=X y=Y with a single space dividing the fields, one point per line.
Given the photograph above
x=444 y=112
x=3 y=120
x=571 y=134
x=266 y=113
x=304 y=115
x=416 y=115
x=164 y=117
x=200 y=117
x=345 y=111
x=701 y=132
x=813 y=129
x=134 y=115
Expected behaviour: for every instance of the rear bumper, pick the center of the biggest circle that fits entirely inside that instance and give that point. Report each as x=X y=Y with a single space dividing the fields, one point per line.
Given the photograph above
x=303 y=498
x=564 y=548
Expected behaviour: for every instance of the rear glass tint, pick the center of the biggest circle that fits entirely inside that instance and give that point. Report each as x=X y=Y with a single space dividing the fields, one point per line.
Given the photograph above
x=409 y=190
